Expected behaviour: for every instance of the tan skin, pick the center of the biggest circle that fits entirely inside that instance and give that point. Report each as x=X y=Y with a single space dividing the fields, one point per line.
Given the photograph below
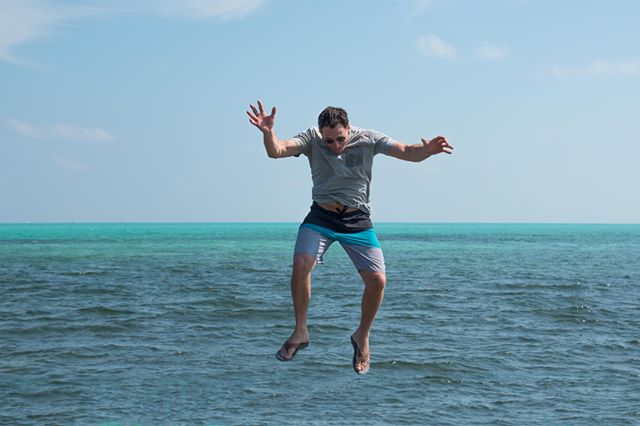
x=303 y=264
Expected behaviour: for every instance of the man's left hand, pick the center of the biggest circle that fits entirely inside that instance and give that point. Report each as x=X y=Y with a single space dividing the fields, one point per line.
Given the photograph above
x=437 y=145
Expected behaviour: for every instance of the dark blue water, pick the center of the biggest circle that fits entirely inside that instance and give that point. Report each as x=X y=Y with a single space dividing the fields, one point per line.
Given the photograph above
x=146 y=324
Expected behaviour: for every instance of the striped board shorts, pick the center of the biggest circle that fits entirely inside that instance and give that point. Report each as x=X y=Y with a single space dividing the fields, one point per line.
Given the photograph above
x=352 y=230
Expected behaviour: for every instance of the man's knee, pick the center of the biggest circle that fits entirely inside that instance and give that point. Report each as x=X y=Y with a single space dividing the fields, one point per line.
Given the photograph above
x=374 y=280
x=303 y=264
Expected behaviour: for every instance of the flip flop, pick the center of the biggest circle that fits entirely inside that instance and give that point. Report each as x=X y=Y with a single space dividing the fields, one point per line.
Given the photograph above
x=357 y=353
x=287 y=347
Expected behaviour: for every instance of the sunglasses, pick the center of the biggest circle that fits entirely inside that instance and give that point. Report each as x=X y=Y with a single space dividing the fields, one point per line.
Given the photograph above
x=339 y=139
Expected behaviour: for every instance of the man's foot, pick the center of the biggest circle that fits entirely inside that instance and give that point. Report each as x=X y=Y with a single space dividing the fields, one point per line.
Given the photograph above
x=289 y=350
x=361 y=356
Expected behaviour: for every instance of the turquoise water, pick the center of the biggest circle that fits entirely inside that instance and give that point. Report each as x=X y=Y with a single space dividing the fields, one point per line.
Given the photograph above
x=146 y=324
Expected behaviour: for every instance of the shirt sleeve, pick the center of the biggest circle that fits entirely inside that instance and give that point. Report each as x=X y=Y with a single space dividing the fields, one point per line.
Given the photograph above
x=303 y=140
x=382 y=142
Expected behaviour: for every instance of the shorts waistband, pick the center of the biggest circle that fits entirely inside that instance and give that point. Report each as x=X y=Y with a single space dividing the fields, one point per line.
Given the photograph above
x=342 y=213
x=348 y=222
x=341 y=210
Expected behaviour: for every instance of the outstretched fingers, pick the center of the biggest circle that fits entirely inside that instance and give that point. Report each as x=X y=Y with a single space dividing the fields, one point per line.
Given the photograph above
x=438 y=144
x=253 y=119
x=259 y=118
x=444 y=145
x=258 y=114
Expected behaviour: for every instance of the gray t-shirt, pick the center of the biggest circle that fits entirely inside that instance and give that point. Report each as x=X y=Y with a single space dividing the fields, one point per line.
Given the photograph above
x=344 y=178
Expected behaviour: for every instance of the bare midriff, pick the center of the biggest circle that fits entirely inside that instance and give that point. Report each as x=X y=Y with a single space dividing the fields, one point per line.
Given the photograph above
x=336 y=207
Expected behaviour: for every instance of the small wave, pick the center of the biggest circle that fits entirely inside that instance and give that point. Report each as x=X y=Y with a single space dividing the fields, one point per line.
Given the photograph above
x=327 y=327
x=443 y=379
x=252 y=270
x=83 y=353
x=571 y=314
x=175 y=269
x=250 y=313
x=435 y=367
x=42 y=329
x=545 y=286
x=104 y=310
x=83 y=273
x=204 y=302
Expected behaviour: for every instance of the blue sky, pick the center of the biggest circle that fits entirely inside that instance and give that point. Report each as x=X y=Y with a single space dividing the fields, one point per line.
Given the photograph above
x=112 y=112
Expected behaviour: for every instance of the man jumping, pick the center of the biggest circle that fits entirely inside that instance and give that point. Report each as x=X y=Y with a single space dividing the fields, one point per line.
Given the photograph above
x=341 y=159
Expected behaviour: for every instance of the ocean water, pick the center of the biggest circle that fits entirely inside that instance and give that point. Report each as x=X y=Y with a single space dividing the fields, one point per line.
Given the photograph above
x=151 y=324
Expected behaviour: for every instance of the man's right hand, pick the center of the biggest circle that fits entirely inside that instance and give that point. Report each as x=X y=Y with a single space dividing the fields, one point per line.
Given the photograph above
x=260 y=119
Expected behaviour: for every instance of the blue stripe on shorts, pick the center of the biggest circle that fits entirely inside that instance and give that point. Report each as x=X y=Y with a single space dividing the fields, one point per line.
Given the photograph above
x=366 y=238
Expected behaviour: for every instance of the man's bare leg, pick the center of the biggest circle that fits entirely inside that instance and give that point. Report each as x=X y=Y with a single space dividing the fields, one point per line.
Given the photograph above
x=303 y=264
x=371 y=300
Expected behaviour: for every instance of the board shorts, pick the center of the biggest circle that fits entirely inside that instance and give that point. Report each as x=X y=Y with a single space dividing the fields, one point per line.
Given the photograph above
x=352 y=230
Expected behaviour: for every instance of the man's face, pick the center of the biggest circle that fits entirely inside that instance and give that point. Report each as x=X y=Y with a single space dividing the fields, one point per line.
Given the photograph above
x=335 y=138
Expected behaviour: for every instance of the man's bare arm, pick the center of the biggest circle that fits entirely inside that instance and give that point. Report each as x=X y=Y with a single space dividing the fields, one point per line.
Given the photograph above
x=277 y=148
x=421 y=151
x=265 y=123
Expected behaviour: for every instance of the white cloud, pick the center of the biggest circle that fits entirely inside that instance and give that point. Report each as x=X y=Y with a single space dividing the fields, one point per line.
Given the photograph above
x=60 y=131
x=70 y=165
x=74 y=133
x=419 y=6
x=432 y=46
x=21 y=22
x=22 y=127
x=24 y=21
x=203 y=9
x=494 y=53
x=598 y=67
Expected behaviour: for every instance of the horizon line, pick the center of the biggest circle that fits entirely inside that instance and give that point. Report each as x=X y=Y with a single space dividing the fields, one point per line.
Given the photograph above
x=222 y=222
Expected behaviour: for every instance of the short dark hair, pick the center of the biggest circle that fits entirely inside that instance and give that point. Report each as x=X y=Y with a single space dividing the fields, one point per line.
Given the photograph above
x=332 y=116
